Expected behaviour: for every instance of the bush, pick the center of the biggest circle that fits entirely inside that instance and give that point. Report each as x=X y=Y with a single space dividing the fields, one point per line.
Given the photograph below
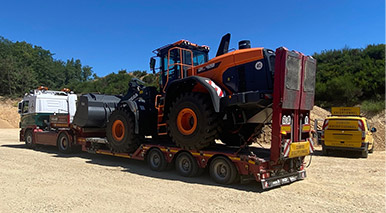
x=373 y=107
x=347 y=77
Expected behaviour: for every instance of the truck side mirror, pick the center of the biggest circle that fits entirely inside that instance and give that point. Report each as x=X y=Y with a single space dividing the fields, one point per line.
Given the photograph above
x=152 y=65
x=373 y=129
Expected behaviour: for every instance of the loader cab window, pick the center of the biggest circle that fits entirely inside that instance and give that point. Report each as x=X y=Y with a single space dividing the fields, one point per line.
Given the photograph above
x=199 y=57
x=170 y=64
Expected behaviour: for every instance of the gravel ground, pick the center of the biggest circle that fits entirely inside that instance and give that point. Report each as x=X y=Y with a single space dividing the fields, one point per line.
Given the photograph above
x=44 y=181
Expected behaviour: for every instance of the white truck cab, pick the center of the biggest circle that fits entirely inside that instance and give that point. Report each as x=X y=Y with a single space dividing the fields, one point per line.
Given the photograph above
x=39 y=104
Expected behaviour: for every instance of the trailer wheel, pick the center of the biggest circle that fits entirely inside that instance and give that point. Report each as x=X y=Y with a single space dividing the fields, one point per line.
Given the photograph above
x=156 y=160
x=63 y=143
x=192 y=123
x=187 y=166
x=222 y=170
x=29 y=140
x=120 y=131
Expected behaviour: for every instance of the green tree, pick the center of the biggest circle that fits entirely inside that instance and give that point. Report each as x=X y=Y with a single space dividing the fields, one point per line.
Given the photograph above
x=350 y=76
x=24 y=67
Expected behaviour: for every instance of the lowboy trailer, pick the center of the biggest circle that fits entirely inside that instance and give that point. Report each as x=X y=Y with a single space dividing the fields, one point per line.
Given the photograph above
x=284 y=162
x=226 y=164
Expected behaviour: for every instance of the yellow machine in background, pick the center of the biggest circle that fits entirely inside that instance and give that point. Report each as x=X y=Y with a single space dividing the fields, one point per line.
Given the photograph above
x=347 y=130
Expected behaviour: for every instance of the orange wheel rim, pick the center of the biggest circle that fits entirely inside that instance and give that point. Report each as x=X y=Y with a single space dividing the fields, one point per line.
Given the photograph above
x=118 y=130
x=187 y=121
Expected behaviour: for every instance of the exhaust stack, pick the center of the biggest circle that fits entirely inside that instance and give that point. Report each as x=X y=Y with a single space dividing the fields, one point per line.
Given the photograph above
x=244 y=44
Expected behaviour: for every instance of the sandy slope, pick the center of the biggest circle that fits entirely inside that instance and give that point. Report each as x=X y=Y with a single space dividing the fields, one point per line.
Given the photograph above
x=44 y=181
x=9 y=118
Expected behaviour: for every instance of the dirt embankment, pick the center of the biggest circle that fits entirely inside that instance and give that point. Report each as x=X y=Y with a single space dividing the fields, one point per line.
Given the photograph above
x=378 y=121
x=9 y=118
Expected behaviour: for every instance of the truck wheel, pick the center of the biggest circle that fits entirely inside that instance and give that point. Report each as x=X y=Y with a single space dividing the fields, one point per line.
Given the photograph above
x=192 y=123
x=156 y=160
x=29 y=140
x=364 y=154
x=63 y=143
x=324 y=151
x=120 y=131
x=222 y=170
x=372 y=149
x=187 y=166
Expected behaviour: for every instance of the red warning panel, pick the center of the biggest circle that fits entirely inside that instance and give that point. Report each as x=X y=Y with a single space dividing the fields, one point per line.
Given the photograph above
x=288 y=67
x=308 y=83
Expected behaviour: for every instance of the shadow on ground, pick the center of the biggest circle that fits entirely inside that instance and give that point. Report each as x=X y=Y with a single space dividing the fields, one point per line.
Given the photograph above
x=141 y=168
x=339 y=154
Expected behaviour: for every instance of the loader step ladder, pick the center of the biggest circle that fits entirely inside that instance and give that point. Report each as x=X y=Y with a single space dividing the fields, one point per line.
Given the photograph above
x=161 y=125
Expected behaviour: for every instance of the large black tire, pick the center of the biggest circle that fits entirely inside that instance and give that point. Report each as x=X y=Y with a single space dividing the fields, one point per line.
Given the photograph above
x=325 y=151
x=156 y=160
x=192 y=121
x=187 y=166
x=64 y=144
x=222 y=170
x=120 y=131
x=372 y=148
x=29 y=140
x=364 y=154
x=230 y=135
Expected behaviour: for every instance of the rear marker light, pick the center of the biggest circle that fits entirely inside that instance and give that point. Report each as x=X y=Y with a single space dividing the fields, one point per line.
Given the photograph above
x=361 y=127
x=306 y=120
x=325 y=125
x=286 y=120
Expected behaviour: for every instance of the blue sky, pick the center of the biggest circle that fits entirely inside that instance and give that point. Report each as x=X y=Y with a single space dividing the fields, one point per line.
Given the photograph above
x=114 y=35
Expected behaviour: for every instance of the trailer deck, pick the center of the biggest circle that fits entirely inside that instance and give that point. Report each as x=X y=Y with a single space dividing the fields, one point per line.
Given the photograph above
x=252 y=163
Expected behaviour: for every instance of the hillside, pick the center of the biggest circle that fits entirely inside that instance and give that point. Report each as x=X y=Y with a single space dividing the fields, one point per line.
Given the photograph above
x=348 y=77
x=345 y=77
x=25 y=66
x=9 y=118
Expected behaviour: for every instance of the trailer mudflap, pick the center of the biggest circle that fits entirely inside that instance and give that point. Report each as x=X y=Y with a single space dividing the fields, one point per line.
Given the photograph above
x=283 y=179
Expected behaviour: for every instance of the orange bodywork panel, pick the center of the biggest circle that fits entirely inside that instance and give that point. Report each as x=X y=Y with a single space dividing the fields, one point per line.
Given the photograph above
x=226 y=61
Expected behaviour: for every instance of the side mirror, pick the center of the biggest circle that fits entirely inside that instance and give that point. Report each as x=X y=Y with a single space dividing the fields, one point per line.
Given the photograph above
x=152 y=65
x=373 y=129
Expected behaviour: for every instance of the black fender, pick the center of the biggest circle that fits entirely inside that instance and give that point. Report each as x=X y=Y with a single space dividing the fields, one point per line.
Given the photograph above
x=134 y=109
x=186 y=84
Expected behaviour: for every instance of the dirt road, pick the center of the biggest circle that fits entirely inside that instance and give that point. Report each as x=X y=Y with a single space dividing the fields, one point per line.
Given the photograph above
x=44 y=181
